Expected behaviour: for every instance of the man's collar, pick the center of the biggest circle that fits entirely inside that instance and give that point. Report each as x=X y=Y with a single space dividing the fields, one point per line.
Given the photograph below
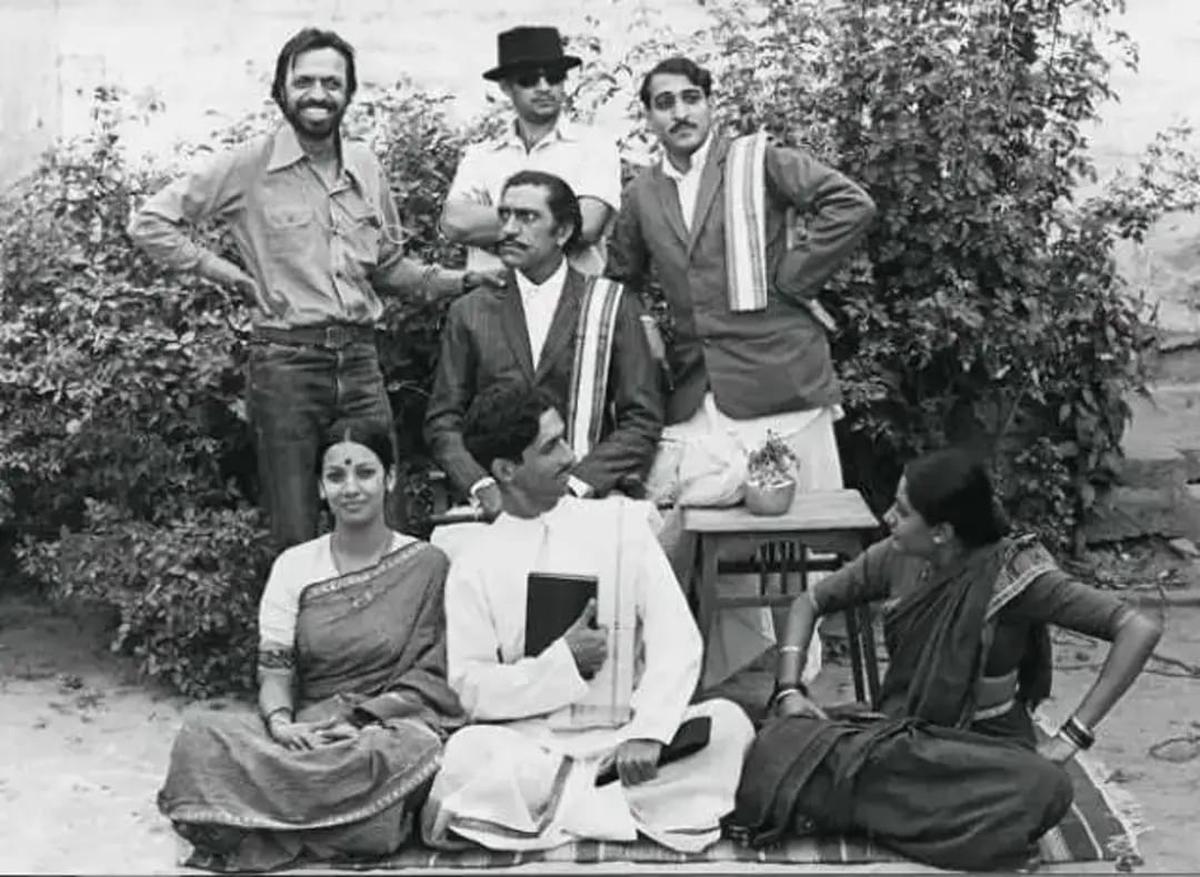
x=699 y=159
x=285 y=148
x=555 y=281
x=562 y=506
x=287 y=151
x=563 y=129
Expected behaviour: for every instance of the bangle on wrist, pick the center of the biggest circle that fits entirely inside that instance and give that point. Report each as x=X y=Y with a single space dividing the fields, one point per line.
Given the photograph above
x=1075 y=732
x=278 y=711
x=782 y=690
x=790 y=648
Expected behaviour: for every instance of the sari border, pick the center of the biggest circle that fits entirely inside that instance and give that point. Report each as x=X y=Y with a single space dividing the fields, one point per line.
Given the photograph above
x=420 y=774
x=1009 y=591
x=386 y=564
x=1125 y=808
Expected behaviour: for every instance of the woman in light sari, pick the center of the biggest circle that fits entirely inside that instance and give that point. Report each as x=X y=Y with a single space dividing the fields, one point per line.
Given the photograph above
x=947 y=770
x=353 y=701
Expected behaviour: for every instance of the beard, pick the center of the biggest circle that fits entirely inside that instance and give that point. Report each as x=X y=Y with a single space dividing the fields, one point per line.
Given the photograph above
x=314 y=129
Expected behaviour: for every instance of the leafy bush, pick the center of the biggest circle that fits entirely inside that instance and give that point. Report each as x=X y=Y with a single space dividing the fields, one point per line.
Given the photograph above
x=187 y=591
x=121 y=384
x=985 y=307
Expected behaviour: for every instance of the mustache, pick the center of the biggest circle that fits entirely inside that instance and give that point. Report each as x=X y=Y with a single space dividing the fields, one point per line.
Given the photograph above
x=511 y=242
x=681 y=126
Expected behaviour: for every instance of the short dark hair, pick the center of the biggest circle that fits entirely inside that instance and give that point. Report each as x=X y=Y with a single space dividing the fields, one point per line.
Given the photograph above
x=503 y=420
x=305 y=41
x=367 y=431
x=677 y=64
x=952 y=486
x=563 y=202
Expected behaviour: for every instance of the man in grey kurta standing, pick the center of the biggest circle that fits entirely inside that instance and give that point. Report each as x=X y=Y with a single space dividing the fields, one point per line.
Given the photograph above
x=315 y=226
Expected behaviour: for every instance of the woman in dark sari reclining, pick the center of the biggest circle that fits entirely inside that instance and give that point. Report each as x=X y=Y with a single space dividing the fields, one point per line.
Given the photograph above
x=353 y=701
x=947 y=770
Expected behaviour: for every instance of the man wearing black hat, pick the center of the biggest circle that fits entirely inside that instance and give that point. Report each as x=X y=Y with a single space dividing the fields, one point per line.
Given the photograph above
x=531 y=70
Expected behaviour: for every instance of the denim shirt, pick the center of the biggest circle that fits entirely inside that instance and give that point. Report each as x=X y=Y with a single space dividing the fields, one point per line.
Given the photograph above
x=318 y=253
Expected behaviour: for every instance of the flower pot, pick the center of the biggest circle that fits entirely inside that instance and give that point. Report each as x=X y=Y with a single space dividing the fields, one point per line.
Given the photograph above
x=769 y=499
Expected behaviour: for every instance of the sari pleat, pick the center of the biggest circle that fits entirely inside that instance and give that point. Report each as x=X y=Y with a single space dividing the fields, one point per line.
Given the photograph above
x=371 y=639
x=917 y=776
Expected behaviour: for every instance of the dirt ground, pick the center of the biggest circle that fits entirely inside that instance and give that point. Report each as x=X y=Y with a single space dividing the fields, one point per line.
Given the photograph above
x=86 y=745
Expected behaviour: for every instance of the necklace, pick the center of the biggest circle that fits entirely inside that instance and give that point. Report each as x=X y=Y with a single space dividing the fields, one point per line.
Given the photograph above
x=345 y=563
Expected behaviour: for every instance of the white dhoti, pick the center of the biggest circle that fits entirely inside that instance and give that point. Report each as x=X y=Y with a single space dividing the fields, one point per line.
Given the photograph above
x=701 y=461
x=522 y=786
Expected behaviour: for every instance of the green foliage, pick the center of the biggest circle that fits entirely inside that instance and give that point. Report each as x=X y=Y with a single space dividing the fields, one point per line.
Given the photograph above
x=122 y=388
x=985 y=307
x=187 y=592
x=772 y=463
x=118 y=383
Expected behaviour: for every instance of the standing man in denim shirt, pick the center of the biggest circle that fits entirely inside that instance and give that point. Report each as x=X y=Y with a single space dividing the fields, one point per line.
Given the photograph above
x=315 y=226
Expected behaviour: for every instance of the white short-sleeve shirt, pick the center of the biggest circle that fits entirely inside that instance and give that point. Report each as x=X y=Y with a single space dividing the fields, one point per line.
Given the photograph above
x=586 y=158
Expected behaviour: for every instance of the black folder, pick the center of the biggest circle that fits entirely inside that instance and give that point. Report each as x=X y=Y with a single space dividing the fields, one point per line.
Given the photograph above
x=691 y=737
x=553 y=602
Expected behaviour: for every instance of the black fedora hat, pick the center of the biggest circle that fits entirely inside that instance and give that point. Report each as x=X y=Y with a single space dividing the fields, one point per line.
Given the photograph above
x=524 y=47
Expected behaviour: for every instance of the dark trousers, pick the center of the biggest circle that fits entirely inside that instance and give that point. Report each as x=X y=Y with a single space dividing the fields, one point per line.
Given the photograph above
x=295 y=393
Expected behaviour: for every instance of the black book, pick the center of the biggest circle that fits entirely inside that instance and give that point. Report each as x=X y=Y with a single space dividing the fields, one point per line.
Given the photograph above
x=691 y=737
x=553 y=602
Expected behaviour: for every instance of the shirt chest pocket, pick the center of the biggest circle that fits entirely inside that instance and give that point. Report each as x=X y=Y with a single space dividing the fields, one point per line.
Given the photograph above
x=289 y=228
x=361 y=228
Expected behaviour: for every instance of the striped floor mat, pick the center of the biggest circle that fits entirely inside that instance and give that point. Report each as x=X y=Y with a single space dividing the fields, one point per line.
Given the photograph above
x=1099 y=827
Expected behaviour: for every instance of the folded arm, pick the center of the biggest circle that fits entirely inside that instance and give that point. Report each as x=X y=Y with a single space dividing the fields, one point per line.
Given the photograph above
x=839 y=210
x=477 y=224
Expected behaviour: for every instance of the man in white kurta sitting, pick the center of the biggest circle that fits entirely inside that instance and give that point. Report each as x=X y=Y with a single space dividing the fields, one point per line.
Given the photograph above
x=610 y=692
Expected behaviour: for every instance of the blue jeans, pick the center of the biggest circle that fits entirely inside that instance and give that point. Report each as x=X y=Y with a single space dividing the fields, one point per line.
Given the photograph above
x=295 y=393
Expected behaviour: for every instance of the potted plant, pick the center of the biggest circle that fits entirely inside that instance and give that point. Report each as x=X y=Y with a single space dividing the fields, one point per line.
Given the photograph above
x=771 y=477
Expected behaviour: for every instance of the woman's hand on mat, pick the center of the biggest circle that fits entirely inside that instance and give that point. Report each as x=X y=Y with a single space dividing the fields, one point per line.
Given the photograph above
x=1058 y=749
x=302 y=735
x=637 y=761
x=796 y=704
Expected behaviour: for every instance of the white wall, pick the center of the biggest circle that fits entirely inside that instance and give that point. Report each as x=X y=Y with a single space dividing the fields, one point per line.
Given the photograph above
x=208 y=61
x=30 y=109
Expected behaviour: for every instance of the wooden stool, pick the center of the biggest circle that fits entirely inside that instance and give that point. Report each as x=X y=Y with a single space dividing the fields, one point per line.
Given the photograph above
x=837 y=522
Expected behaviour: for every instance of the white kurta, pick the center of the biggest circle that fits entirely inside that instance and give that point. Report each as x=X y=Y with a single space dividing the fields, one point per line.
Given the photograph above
x=524 y=784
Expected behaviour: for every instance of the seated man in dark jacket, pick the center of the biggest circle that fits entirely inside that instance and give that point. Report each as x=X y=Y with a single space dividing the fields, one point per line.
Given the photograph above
x=581 y=340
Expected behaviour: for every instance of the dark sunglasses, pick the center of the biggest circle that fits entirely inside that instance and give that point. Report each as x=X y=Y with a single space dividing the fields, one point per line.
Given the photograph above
x=530 y=78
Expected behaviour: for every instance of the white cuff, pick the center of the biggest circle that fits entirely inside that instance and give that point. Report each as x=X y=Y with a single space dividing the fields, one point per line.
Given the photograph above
x=485 y=481
x=578 y=486
x=561 y=662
